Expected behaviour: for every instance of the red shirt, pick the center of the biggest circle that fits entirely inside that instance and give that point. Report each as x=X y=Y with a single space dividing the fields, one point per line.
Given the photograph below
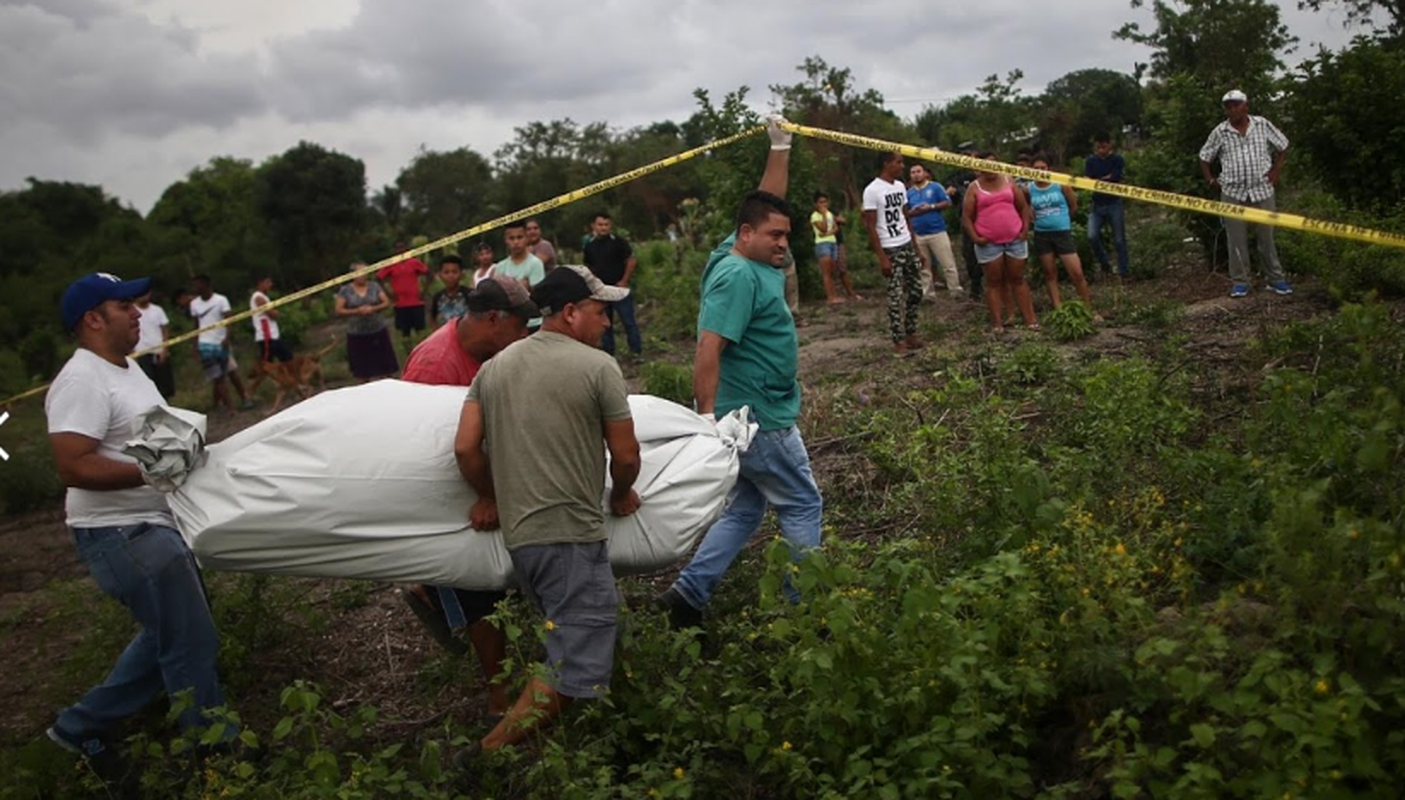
x=439 y=360
x=404 y=278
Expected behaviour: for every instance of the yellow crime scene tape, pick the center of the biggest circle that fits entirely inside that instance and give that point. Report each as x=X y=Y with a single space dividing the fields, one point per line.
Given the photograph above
x=1184 y=202
x=1171 y=199
x=545 y=205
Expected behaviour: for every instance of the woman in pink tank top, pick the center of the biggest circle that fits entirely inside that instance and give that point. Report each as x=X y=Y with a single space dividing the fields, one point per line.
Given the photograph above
x=996 y=216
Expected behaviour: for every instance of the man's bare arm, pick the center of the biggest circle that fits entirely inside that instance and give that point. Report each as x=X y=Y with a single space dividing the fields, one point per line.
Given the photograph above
x=82 y=467
x=707 y=371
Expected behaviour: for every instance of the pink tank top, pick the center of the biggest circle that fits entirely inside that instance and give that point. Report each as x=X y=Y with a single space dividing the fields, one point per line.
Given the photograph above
x=996 y=217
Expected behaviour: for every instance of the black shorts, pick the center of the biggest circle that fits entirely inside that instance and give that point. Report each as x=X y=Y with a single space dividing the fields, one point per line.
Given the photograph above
x=477 y=604
x=1057 y=242
x=274 y=350
x=409 y=318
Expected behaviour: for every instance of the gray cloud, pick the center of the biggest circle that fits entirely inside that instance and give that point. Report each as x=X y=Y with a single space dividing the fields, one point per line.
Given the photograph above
x=87 y=71
x=101 y=92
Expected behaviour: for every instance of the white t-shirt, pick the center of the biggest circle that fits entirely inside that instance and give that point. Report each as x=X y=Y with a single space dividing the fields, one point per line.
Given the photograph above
x=888 y=200
x=100 y=400
x=153 y=317
x=208 y=312
x=260 y=320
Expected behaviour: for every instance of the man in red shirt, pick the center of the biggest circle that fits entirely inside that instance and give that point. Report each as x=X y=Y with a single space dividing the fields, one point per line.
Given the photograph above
x=404 y=279
x=498 y=311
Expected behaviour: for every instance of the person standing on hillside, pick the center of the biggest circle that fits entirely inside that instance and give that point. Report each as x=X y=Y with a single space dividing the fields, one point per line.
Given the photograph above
x=451 y=302
x=1251 y=152
x=956 y=188
x=748 y=355
x=926 y=202
x=996 y=216
x=404 y=281
x=884 y=200
x=1053 y=207
x=155 y=329
x=520 y=264
x=1107 y=166
x=532 y=442
x=124 y=529
x=541 y=248
x=612 y=260
x=824 y=227
x=265 y=320
x=483 y=265
x=213 y=347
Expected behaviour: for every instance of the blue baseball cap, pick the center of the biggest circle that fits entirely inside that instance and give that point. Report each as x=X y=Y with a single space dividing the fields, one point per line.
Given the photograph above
x=91 y=291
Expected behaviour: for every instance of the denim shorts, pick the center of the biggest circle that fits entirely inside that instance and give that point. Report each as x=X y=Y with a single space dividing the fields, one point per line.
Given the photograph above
x=216 y=361
x=826 y=250
x=986 y=253
x=574 y=586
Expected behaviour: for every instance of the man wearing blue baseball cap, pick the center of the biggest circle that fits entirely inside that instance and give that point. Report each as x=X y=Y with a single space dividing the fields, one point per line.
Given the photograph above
x=123 y=528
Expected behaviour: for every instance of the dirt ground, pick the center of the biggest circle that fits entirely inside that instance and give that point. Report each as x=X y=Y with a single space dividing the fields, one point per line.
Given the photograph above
x=374 y=651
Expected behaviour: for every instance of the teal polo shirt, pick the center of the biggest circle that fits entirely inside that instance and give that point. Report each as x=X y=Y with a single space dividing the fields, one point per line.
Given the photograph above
x=743 y=301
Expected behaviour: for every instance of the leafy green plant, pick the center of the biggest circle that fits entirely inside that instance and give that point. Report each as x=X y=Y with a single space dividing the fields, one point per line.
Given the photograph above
x=1071 y=320
x=669 y=381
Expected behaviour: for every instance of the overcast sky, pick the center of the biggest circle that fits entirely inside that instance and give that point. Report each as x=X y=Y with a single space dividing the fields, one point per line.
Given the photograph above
x=132 y=94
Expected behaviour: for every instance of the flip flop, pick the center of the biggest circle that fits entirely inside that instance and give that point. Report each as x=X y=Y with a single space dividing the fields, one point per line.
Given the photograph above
x=433 y=619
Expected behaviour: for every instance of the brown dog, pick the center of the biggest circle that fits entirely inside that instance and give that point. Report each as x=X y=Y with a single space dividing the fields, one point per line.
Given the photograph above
x=292 y=375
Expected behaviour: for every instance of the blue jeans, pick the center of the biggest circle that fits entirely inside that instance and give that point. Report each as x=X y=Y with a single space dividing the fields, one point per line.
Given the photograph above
x=149 y=569
x=775 y=471
x=625 y=308
x=1113 y=215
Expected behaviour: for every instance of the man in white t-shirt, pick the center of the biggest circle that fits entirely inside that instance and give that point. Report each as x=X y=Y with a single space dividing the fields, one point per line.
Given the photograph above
x=123 y=528
x=885 y=217
x=271 y=347
x=155 y=329
x=213 y=346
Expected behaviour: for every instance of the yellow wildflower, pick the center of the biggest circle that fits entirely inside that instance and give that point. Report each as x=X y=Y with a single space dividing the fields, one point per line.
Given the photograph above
x=551 y=626
x=785 y=745
x=679 y=773
x=1322 y=686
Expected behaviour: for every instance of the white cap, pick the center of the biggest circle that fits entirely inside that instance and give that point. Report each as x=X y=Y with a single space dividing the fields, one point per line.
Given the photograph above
x=1234 y=96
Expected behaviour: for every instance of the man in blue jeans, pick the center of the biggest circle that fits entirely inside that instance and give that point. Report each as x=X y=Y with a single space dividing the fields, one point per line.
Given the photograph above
x=123 y=528
x=747 y=355
x=612 y=260
x=1107 y=166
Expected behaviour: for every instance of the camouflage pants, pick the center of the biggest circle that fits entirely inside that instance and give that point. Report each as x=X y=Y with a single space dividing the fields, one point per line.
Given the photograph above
x=905 y=284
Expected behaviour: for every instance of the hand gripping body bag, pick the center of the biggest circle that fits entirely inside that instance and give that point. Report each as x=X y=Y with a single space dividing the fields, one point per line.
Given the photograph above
x=362 y=483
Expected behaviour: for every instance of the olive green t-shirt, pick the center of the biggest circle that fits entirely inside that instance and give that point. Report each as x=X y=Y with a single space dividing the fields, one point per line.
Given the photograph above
x=545 y=402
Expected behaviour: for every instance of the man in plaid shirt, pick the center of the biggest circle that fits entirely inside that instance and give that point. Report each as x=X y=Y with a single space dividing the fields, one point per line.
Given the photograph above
x=1251 y=152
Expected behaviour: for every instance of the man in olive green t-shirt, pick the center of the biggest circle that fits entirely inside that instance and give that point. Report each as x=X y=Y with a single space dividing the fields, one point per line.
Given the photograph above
x=748 y=355
x=532 y=440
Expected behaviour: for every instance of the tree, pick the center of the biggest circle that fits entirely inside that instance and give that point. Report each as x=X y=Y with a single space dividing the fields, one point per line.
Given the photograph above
x=1221 y=43
x=828 y=98
x=210 y=222
x=443 y=192
x=998 y=117
x=314 y=202
x=1079 y=105
x=1201 y=49
x=1352 y=140
x=1364 y=13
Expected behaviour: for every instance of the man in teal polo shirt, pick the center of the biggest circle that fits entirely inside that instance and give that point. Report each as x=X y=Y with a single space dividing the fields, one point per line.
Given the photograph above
x=747 y=355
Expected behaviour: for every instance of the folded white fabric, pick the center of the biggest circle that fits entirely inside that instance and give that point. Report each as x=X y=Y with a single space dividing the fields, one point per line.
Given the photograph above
x=362 y=483
x=168 y=444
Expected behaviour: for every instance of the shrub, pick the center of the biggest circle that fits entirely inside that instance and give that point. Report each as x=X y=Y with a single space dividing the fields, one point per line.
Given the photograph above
x=669 y=381
x=1071 y=320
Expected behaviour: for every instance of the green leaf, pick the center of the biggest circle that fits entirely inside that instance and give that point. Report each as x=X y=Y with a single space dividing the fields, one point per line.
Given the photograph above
x=1203 y=734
